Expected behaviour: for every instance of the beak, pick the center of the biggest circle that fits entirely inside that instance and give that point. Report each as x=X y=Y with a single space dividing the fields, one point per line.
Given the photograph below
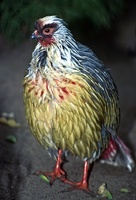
x=34 y=35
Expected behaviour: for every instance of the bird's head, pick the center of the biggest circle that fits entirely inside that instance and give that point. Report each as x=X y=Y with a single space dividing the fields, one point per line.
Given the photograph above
x=49 y=30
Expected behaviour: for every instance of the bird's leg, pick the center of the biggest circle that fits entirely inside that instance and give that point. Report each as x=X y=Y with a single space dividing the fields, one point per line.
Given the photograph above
x=58 y=172
x=83 y=184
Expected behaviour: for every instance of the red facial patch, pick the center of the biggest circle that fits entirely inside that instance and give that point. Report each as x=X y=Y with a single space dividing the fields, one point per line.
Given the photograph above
x=46 y=42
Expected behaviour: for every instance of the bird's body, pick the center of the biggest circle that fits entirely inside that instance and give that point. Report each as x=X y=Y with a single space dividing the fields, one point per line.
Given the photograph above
x=71 y=100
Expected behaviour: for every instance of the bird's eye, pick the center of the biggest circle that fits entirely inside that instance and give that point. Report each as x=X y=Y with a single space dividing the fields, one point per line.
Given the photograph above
x=46 y=30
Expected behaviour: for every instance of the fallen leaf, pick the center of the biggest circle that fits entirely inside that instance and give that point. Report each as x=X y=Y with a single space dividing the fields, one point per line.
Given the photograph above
x=8 y=119
x=125 y=190
x=11 y=139
x=44 y=178
x=104 y=192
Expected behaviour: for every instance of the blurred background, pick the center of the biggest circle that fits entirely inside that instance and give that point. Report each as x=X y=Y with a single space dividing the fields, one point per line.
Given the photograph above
x=109 y=29
x=19 y=16
x=88 y=17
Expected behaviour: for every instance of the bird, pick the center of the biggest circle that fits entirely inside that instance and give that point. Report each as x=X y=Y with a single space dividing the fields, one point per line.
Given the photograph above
x=72 y=103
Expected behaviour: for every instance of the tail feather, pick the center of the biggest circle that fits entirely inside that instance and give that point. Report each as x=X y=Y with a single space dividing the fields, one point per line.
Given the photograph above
x=118 y=154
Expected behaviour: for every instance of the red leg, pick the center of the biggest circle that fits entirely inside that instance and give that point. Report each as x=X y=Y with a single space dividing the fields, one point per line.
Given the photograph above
x=83 y=184
x=61 y=174
x=58 y=172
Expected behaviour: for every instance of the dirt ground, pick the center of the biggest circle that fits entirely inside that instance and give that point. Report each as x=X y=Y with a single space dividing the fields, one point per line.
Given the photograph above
x=19 y=161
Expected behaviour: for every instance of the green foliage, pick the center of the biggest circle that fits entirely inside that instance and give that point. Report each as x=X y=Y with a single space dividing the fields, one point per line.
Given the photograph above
x=18 y=16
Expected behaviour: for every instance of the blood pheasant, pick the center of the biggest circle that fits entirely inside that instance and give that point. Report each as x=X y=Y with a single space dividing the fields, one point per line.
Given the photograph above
x=71 y=102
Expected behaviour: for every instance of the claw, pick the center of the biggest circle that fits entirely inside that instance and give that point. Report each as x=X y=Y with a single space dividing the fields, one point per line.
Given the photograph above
x=86 y=190
x=58 y=173
x=82 y=185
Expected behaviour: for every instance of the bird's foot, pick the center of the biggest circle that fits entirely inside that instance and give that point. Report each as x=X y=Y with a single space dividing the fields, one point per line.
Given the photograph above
x=56 y=174
x=79 y=186
x=58 y=171
x=82 y=185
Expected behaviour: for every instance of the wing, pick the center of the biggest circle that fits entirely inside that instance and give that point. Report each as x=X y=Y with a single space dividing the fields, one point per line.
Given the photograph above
x=100 y=79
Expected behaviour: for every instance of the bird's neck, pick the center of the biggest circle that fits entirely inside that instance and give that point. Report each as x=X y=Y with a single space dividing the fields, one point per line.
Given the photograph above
x=56 y=58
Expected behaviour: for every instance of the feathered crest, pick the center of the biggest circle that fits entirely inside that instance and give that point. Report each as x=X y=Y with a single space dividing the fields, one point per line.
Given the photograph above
x=53 y=19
